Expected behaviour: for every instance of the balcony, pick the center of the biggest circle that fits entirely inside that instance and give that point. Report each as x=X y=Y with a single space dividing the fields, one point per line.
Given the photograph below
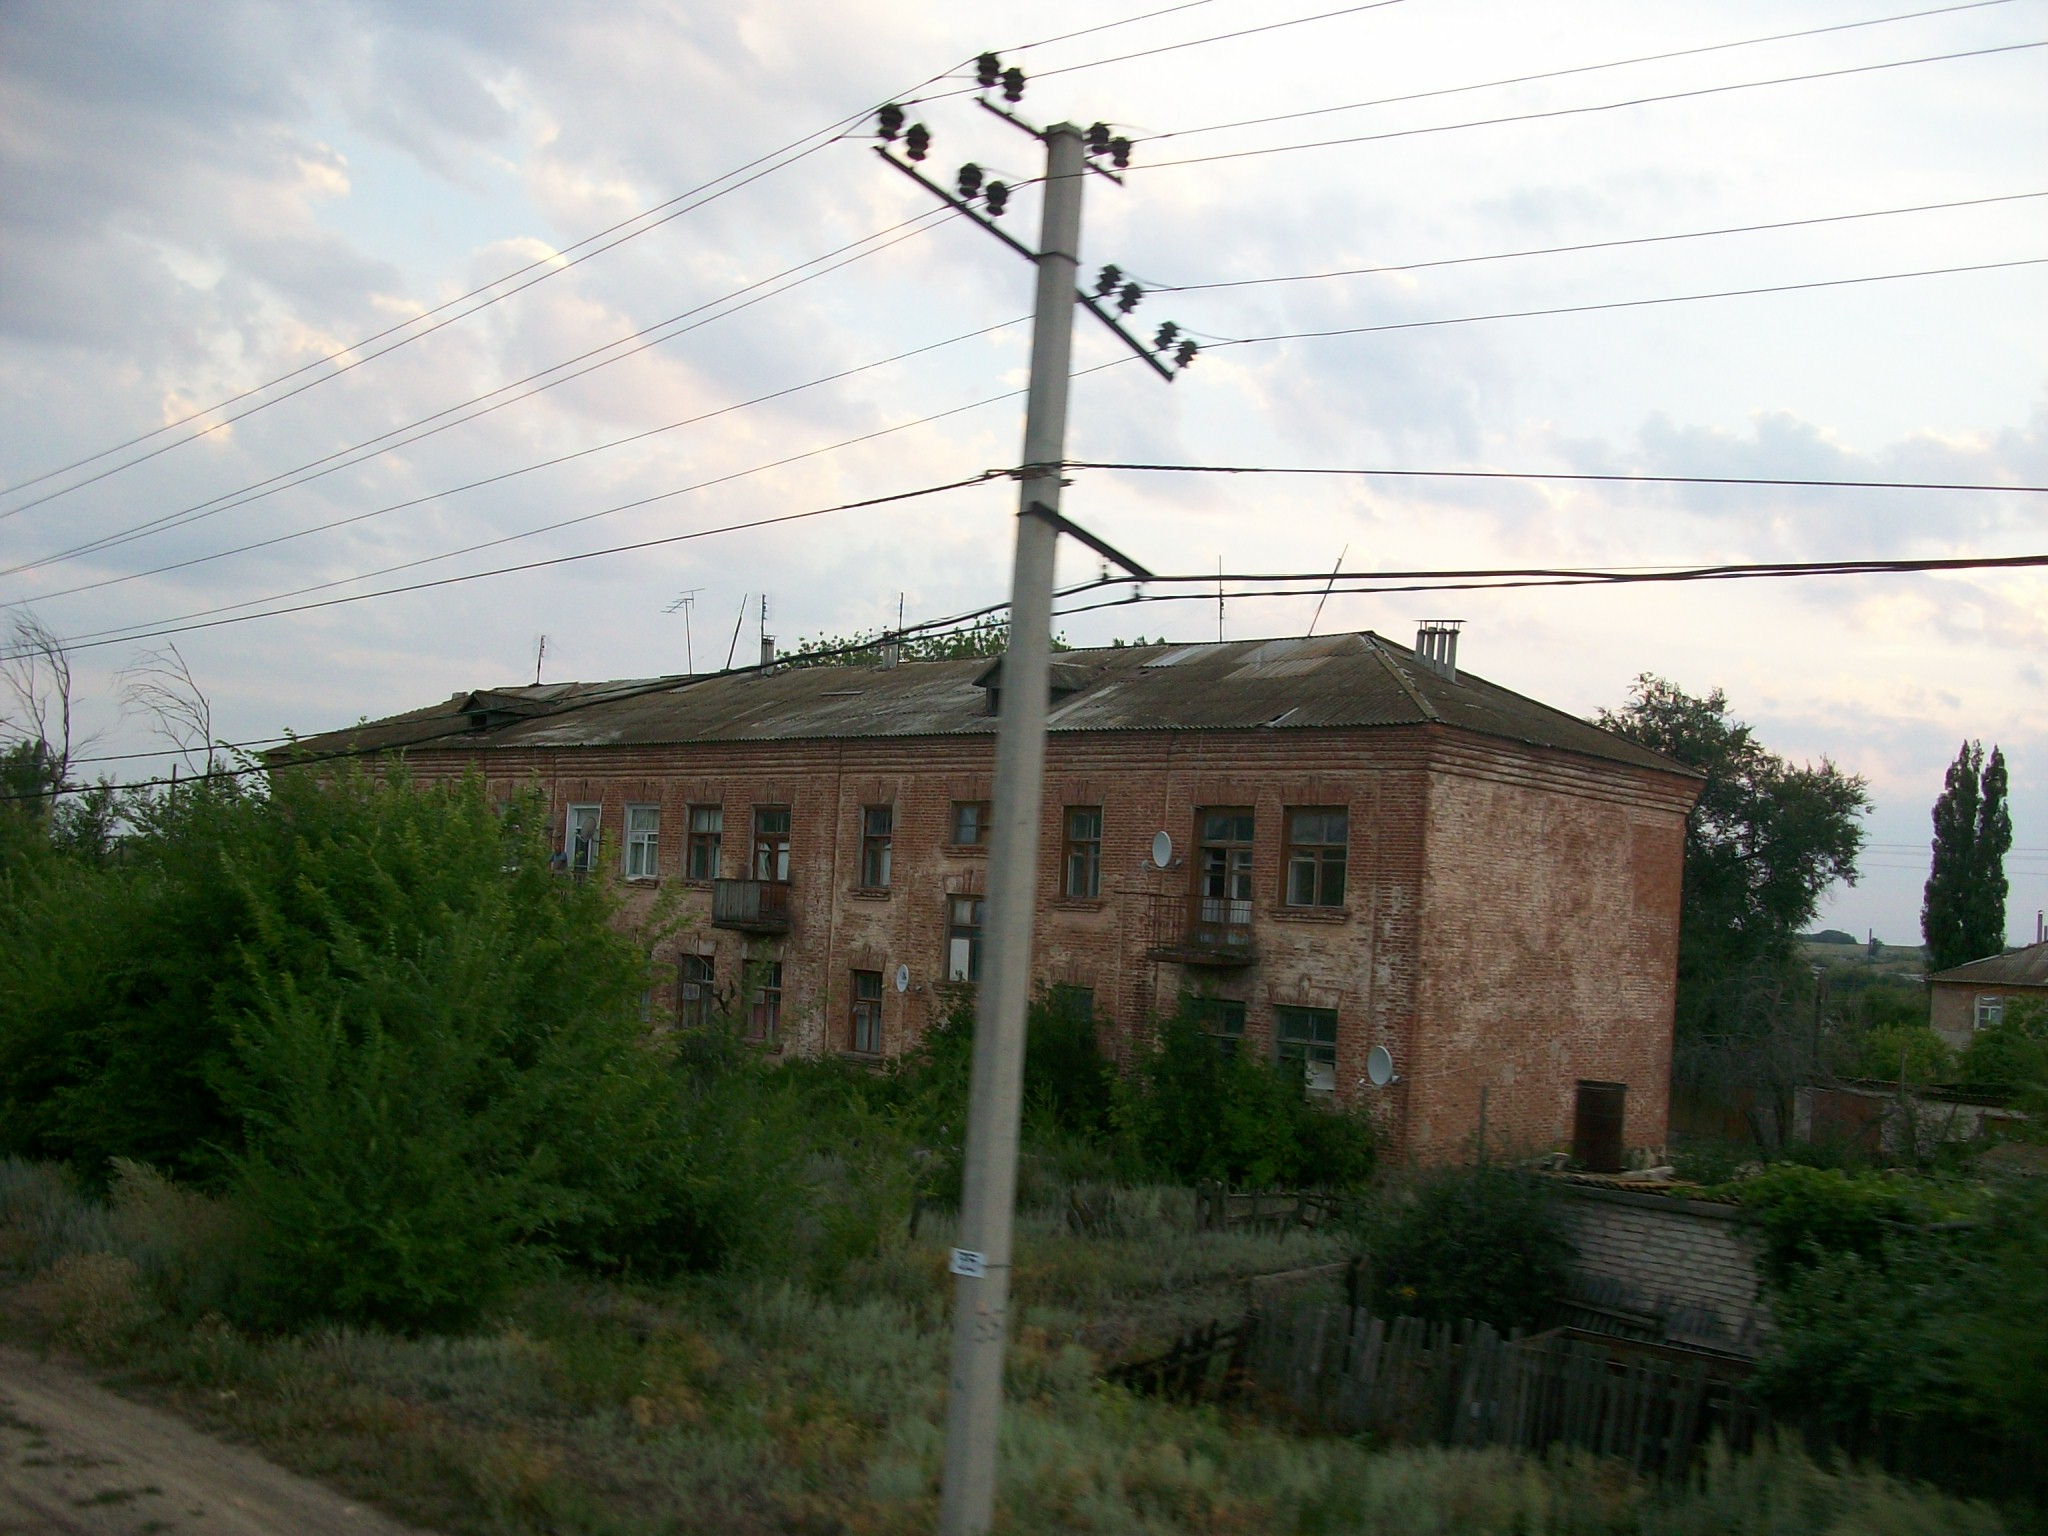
x=1202 y=930
x=752 y=906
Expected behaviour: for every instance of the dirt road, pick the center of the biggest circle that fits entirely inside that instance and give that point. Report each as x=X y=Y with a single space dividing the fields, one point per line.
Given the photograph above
x=75 y=1460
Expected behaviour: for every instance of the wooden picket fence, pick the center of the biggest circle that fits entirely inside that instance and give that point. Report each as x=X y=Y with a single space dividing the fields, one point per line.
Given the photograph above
x=1218 y=1208
x=1412 y=1382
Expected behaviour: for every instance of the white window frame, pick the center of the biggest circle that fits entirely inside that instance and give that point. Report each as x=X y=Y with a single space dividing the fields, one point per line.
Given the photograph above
x=1990 y=1009
x=643 y=841
x=584 y=863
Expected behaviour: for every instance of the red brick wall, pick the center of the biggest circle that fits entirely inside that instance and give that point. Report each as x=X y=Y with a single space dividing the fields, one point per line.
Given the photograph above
x=1588 y=850
x=1549 y=953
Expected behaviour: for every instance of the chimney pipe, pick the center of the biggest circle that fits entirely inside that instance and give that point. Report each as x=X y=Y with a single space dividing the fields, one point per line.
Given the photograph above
x=1436 y=646
x=767 y=652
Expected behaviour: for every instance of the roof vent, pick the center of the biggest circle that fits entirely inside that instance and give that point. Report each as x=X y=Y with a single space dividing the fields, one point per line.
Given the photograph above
x=1436 y=646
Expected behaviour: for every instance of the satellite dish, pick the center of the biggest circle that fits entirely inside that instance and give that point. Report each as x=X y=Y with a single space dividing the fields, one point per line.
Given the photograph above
x=1379 y=1066
x=902 y=978
x=1162 y=850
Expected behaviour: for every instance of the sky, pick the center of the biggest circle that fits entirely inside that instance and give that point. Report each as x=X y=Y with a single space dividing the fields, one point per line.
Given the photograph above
x=200 y=200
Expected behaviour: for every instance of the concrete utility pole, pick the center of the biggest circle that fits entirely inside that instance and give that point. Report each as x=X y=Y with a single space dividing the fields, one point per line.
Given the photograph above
x=981 y=1264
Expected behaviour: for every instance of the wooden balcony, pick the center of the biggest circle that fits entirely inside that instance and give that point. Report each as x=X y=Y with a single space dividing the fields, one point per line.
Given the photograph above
x=751 y=906
x=1202 y=930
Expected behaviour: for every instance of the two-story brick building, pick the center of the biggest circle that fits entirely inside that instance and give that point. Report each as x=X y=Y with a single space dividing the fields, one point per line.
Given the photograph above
x=1338 y=842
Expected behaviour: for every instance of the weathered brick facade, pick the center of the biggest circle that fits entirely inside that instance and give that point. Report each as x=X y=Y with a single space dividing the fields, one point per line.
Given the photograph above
x=1509 y=915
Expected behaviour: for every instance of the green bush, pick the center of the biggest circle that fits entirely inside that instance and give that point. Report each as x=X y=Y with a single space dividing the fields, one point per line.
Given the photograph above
x=1480 y=1243
x=1193 y=1111
x=2011 y=1053
x=1808 y=1214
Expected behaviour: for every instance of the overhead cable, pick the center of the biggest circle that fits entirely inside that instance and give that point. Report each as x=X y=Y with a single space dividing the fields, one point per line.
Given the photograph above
x=1543 y=474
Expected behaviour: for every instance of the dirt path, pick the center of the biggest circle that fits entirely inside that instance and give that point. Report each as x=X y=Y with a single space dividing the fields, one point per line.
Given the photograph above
x=75 y=1460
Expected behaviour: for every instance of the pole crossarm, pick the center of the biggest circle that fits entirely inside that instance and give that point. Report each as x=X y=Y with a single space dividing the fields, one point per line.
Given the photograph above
x=1085 y=300
x=1075 y=531
x=1039 y=133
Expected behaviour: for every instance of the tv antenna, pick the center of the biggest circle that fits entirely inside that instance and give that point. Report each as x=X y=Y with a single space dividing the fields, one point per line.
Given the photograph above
x=686 y=601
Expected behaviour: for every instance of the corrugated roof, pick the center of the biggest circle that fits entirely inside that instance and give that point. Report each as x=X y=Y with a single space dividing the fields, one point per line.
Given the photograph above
x=2026 y=967
x=1327 y=681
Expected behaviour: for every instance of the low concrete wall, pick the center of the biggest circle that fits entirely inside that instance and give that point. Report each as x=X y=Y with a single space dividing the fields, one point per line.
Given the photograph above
x=1686 y=1268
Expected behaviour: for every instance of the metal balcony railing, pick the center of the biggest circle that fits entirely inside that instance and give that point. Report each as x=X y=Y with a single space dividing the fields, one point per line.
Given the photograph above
x=755 y=906
x=1203 y=930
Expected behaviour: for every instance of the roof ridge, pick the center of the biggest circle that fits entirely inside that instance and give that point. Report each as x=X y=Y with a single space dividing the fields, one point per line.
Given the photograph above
x=1376 y=644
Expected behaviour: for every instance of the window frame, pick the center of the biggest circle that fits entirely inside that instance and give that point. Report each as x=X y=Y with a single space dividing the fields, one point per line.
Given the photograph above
x=1989 y=1009
x=704 y=845
x=646 y=838
x=876 y=847
x=968 y=933
x=980 y=812
x=764 y=1009
x=770 y=862
x=587 y=861
x=693 y=1010
x=1222 y=1019
x=1310 y=1050
x=865 y=1013
x=1318 y=857
x=1080 y=857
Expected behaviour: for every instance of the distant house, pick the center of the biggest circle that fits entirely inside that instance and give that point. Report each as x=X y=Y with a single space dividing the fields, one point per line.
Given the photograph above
x=1339 y=844
x=1965 y=998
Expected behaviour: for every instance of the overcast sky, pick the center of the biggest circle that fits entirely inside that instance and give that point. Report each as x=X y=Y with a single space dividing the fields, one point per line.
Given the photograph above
x=195 y=200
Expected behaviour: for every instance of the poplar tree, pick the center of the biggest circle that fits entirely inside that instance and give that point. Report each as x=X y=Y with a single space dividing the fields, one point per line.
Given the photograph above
x=1962 y=916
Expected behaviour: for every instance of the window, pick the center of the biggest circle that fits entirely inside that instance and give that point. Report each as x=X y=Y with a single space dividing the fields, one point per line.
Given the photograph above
x=643 y=841
x=707 y=830
x=1083 y=862
x=1309 y=1036
x=970 y=823
x=1222 y=1020
x=771 y=842
x=1223 y=868
x=1316 y=840
x=693 y=991
x=764 y=1015
x=1071 y=1002
x=867 y=1012
x=579 y=839
x=878 y=827
x=963 y=937
x=1990 y=1010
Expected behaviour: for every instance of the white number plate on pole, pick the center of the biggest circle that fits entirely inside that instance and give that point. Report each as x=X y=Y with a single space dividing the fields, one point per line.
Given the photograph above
x=969 y=1263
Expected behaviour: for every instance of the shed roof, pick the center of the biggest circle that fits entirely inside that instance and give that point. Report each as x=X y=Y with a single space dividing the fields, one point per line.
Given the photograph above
x=1319 y=682
x=2026 y=967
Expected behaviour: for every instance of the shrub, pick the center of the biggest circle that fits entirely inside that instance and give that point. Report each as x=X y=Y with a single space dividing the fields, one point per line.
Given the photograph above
x=1808 y=1214
x=2011 y=1053
x=1479 y=1243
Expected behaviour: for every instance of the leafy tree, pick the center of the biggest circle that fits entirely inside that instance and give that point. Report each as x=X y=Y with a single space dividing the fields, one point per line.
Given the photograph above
x=1479 y=1243
x=1963 y=913
x=1766 y=839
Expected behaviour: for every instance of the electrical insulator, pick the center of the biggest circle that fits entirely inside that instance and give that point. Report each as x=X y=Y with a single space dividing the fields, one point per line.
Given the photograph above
x=1013 y=84
x=1186 y=353
x=889 y=121
x=917 y=143
x=1107 y=279
x=970 y=181
x=1165 y=337
x=1128 y=299
x=987 y=70
x=1098 y=139
x=1120 y=153
x=996 y=196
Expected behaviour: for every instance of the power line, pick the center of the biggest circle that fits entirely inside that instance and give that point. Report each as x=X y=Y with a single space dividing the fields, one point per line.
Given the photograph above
x=1220 y=37
x=510 y=474
x=549 y=266
x=1108 y=26
x=1599 y=245
x=1537 y=474
x=369 y=448
x=1577 y=69
x=1605 y=106
x=535 y=565
x=1582 y=309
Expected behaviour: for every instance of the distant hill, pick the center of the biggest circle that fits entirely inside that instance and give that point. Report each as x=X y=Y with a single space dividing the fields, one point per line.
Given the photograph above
x=1830 y=936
